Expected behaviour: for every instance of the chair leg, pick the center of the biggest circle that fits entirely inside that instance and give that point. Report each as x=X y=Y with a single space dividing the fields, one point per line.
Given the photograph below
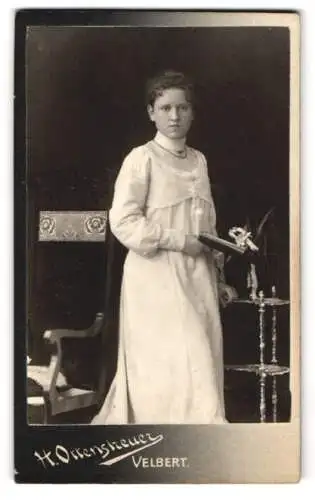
x=48 y=419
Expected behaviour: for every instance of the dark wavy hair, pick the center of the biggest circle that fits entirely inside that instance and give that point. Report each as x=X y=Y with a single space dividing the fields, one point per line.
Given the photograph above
x=167 y=80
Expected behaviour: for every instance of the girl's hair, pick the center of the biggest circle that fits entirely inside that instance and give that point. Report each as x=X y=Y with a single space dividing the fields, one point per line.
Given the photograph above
x=167 y=80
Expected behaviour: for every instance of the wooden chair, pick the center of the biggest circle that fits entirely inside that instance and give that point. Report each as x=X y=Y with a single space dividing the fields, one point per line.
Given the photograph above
x=55 y=395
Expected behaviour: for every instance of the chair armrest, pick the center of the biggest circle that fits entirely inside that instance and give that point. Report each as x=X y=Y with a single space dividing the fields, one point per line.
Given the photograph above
x=93 y=330
x=50 y=388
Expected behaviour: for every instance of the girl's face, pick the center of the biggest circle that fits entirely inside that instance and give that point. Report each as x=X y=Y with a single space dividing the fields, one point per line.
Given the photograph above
x=172 y=113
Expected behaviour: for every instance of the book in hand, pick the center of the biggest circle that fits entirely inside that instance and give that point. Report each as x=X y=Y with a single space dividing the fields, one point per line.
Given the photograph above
x=225 y=246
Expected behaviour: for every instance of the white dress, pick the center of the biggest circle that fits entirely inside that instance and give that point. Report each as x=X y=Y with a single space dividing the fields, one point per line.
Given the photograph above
x=170 y=360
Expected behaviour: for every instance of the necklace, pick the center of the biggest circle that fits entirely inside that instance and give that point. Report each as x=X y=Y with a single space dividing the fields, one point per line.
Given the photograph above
x=179 y=154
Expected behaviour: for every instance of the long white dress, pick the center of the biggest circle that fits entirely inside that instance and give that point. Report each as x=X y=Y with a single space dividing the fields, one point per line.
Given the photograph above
x=170 y=360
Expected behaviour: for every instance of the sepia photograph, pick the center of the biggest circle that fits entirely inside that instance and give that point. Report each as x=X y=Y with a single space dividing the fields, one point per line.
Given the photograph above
x=162 y=254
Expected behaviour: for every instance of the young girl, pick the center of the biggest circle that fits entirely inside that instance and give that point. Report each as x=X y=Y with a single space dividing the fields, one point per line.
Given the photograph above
x=170 y=363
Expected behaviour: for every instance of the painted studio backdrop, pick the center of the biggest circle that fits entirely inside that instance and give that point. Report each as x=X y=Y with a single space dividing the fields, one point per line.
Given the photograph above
x=85 y=92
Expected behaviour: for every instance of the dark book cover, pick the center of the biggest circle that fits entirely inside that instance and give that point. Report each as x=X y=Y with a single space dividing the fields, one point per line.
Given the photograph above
x=216 y=243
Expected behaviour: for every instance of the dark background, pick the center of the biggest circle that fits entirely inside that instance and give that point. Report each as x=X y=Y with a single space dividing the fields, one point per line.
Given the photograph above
x=86 y=110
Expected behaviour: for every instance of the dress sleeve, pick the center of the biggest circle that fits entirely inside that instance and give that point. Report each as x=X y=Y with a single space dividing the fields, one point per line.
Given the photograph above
x=127 y=215
x=217 y=255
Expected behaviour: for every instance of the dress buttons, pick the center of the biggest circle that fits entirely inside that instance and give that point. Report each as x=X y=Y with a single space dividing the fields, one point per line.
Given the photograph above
x=199 y=211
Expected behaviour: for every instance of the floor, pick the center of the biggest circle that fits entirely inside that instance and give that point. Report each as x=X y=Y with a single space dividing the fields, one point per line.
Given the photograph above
x=242 y=400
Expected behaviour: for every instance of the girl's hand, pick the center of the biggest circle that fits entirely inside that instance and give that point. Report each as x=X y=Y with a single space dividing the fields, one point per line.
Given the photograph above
x=193 y=246
x=226 y=294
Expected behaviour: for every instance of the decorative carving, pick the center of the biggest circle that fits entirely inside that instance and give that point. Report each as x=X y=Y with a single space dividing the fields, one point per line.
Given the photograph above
x=95 y=224
x=47 y=226
x=73 y=226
